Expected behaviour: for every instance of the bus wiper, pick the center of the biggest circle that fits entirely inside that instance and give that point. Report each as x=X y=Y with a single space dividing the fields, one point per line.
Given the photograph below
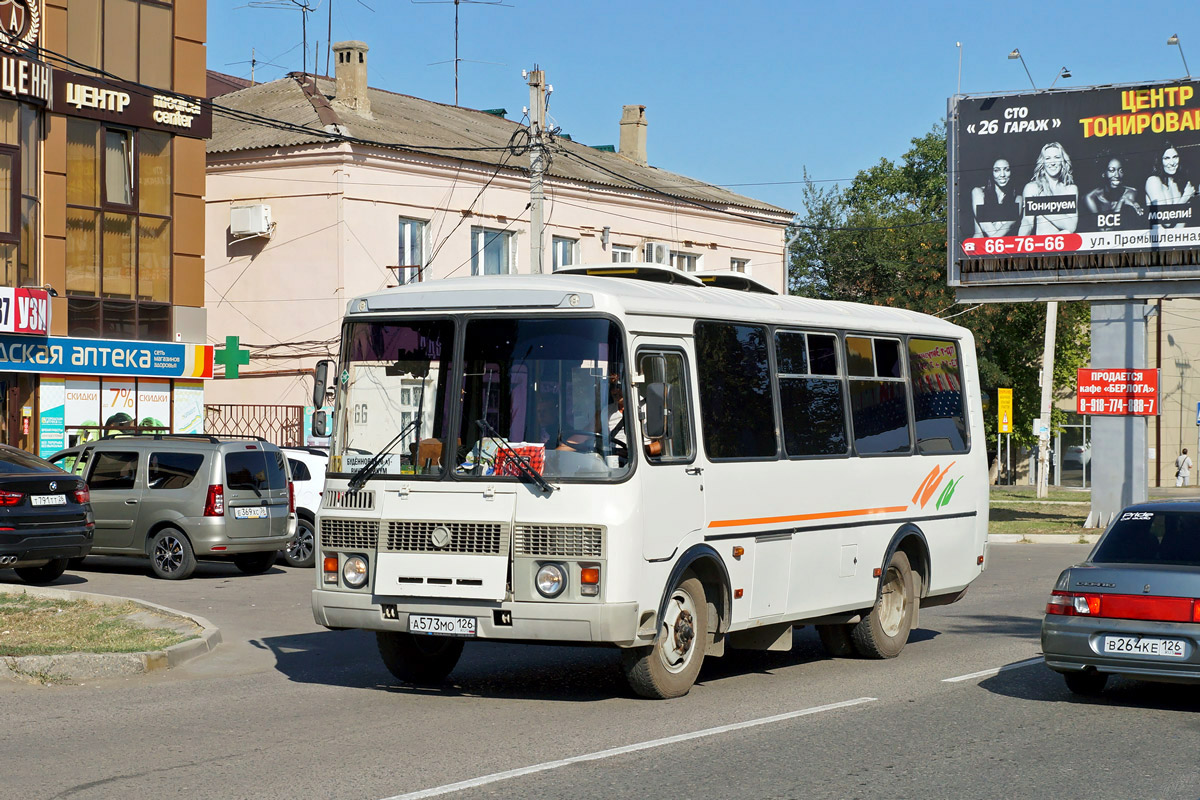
x=521 y=461
x=371 y=468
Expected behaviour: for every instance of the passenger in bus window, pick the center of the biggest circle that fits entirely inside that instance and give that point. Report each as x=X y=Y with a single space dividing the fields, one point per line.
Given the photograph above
x=616 y=417
x=997 y=205
x=1052 y=179
x=1169 y=185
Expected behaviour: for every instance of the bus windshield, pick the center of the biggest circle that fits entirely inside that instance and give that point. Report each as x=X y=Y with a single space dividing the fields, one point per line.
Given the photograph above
x=392 y=385
x=551 y=391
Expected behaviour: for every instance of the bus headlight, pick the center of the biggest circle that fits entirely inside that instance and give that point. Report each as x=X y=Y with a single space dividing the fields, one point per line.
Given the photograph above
x=551 y=579
x=354 y=571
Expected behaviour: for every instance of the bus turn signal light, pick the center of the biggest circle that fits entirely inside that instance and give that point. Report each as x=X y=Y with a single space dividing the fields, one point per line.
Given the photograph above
x=589 y=575
x=329 y=565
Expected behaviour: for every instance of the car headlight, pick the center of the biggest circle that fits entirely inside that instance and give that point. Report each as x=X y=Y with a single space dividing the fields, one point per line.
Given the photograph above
x=551 y=579
x=354 y=571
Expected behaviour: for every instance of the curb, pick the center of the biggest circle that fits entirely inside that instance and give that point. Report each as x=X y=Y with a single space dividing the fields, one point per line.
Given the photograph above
x=1042 y=538
x=82 y=666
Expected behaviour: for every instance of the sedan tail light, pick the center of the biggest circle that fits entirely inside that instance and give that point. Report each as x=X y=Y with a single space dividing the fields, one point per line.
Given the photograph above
x=83 y=495
x=1124 y=606
x=11 y=498
x=214 y=504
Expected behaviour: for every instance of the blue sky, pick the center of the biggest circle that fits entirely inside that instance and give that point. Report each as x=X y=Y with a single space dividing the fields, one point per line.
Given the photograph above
x=743 y=94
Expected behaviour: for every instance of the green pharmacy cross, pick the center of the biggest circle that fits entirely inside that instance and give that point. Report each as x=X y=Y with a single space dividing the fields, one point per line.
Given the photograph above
x=232 y=356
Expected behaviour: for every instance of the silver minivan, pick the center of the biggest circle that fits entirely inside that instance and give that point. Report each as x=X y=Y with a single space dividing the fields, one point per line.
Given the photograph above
x=175 y=498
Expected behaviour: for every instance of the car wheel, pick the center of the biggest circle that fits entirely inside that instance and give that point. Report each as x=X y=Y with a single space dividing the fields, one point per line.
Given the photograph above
x=668 y=668
x=301 y=550
x=254 y=563
x=884 y=632
x=420 y=660
x=47 y=573
x=1088 y=682
x=171 y=555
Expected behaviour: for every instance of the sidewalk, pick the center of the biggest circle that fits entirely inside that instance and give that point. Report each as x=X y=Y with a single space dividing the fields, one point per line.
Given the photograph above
x=73 y=667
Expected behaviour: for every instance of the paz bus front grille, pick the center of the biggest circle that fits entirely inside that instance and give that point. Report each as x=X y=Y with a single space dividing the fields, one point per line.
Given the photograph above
x=349 y=534
x=477 y=538
x=559 y=541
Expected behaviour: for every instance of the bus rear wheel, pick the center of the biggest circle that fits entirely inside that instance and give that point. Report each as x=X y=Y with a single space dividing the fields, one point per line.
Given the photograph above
x=668 y=668
x=884 y=632
x=420 y=660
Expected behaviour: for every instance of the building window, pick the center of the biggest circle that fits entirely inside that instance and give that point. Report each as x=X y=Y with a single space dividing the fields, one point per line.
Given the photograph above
x=491 y=252
x=685 y=262
x=741 y=265
x=622 y=255
x=119 y=191
x=20 y=134
x=99 y=34
x=412 y=251
x=564 y=251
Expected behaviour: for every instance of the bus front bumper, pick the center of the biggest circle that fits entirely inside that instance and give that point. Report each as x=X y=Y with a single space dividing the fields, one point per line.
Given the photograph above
x=607 y=623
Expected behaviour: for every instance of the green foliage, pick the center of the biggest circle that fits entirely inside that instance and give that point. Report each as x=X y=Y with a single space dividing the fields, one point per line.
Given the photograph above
x=882 y=240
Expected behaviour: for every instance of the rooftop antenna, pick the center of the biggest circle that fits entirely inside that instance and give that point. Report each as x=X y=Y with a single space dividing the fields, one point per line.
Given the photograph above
x=306 y=7
x=457 y=3
x=253 y=62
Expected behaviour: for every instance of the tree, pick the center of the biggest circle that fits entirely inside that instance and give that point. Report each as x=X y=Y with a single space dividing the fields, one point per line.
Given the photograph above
x=882 y=240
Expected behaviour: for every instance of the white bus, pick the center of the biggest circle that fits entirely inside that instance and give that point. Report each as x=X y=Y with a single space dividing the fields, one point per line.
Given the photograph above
x=781 y=461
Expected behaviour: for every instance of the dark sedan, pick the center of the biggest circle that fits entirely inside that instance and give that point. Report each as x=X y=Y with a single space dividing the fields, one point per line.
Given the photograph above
x=45 y=516
x=1132 y=608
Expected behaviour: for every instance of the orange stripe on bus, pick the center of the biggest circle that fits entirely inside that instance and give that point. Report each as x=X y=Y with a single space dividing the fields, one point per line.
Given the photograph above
x=856 y=512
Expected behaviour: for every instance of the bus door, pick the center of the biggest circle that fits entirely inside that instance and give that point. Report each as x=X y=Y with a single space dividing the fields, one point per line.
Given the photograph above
x=672 y=482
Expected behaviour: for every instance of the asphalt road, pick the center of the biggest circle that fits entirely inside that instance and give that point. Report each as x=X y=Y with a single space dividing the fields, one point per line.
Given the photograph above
x=284 y=709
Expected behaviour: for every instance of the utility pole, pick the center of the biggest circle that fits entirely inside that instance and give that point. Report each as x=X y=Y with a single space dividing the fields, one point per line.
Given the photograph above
x=1047 y=388
x=537 y=165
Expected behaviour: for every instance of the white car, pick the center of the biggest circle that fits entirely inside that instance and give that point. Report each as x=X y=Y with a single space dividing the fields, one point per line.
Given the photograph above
x=307 y=466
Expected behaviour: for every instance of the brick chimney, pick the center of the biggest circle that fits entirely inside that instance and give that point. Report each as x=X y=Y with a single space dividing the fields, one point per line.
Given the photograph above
x=633 y=134
x=351 y=74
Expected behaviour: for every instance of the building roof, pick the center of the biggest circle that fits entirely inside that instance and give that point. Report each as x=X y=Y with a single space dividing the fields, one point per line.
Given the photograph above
x=435 y=129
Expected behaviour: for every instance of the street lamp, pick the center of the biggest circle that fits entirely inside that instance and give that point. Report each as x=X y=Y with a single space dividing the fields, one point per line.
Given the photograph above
x=1174 y=40
x=1014 y=55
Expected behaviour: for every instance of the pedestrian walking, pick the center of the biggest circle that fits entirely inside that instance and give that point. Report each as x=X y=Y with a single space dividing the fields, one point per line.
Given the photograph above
x=1183 y=468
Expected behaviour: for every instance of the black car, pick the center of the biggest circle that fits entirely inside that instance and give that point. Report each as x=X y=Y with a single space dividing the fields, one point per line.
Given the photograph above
x=45 y=516
x=1131 y=609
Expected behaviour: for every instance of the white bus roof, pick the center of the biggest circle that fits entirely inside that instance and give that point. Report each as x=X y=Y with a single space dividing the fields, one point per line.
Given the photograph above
x=623 y=297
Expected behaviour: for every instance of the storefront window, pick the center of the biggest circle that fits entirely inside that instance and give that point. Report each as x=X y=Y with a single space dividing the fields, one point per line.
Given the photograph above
x=128 y=38
x=118 y=167
x=83 y=252
x=83 y=162
x=154 y=259
x=154 y=173
x=120 y=19
x=118 y=256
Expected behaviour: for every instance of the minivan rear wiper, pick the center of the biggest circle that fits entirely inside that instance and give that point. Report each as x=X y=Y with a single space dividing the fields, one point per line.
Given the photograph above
x=371 y=468
x=522 y=462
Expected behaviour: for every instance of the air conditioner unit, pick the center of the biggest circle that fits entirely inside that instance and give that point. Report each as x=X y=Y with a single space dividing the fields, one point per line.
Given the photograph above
x=250 y=220
x=658 y=253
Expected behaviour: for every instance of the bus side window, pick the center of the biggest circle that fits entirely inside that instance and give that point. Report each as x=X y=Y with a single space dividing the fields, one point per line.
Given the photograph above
x=663 y=395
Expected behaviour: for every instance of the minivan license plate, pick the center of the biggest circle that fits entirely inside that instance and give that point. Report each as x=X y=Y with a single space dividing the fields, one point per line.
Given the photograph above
x=250 y=512
x=48 y=499
x=1139 y=646
x=441 y=626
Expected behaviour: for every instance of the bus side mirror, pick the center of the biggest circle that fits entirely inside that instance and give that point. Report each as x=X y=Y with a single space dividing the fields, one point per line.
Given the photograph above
x=320 y=423
x=321 y=382
x=656 y=409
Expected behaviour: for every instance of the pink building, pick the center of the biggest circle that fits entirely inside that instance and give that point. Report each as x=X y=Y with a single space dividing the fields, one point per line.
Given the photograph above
x=298 y=223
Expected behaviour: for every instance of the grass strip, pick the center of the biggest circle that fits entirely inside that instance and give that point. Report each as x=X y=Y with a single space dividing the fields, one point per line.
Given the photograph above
x=31 y=625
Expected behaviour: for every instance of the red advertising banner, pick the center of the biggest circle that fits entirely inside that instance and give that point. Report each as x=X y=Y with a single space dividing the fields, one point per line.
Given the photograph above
x=24 y=311
x=1117 y=392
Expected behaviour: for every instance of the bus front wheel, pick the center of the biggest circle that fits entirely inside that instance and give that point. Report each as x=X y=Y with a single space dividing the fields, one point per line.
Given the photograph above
x=884 y=632
x=669 y=667
x=420 y=660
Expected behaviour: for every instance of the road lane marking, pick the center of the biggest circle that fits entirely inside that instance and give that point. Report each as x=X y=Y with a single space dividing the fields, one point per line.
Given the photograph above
x=987 y=673
x=618 y=751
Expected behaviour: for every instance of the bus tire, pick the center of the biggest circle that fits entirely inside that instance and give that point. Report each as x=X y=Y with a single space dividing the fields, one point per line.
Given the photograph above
x=837 y=641
x=884 y=631
x=419 y=660
x=668 y=668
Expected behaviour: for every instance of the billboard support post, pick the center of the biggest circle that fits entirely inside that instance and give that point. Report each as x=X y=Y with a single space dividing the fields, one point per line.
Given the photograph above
x=1119 y=469
x=1047 y=391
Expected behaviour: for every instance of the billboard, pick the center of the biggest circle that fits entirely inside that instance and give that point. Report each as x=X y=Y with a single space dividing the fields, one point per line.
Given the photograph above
x=1119 y=392
x=1087 y=185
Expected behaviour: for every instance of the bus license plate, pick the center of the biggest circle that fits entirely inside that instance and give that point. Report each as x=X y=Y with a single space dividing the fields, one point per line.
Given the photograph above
x=441 y=626
x=1137 y=646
